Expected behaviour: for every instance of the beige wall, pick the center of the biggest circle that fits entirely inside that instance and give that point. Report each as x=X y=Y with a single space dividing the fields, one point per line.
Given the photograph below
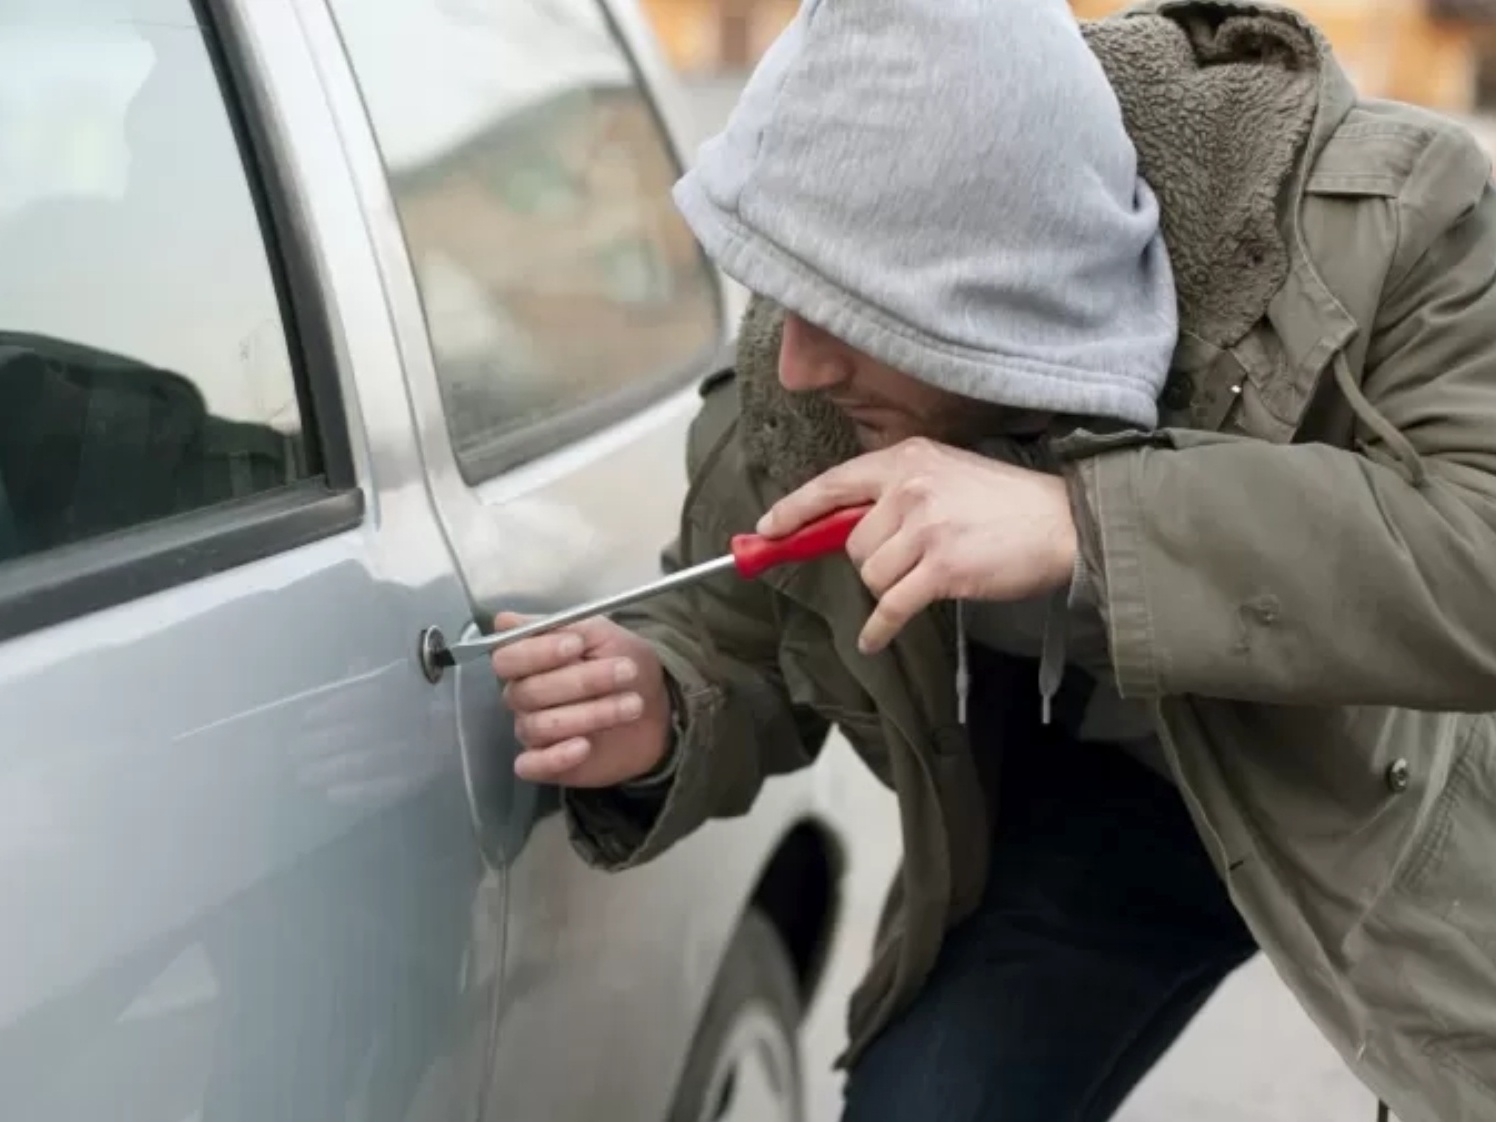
x=717 y=35
x=1391 y=47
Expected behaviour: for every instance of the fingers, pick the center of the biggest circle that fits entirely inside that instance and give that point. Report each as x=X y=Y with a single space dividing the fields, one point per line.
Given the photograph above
x=574 y=682
x=543 y=653
x=850 y=484
x=890 y=563
x=546 y=727
x=896 y=607
x=552 y=765
x=882 y=521
x=566 y=690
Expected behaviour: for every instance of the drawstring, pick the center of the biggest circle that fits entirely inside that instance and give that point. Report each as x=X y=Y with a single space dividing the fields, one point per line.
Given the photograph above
x=1383 y=1114
x=1036 y=456
x=1051 y=656
x=1401 y=446
x=1052 y=652
x=963 y=665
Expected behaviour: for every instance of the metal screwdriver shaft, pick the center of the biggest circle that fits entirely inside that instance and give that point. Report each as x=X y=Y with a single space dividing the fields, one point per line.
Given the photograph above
x=752 y=555
x=489 y=643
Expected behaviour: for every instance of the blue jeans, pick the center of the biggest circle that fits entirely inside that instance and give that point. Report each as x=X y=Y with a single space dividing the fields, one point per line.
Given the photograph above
x=1103 y=930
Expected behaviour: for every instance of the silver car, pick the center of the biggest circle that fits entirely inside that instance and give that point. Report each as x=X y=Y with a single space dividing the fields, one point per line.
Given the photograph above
x=323 y=322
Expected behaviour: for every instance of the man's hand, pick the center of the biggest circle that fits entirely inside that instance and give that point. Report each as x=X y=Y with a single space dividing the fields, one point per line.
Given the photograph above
x=589 y=702
x=945 y=524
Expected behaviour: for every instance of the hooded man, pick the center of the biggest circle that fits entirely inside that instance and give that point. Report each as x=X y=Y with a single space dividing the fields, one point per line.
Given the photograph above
x=1169 y=370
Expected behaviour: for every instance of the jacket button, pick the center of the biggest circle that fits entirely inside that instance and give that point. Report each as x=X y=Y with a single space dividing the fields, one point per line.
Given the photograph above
x=1398 y=775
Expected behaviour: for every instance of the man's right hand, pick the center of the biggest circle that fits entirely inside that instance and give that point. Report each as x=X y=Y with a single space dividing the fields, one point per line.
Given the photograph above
x=589 y=702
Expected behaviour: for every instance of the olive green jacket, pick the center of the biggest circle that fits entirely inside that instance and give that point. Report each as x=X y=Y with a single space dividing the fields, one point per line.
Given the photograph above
x=1298 y=569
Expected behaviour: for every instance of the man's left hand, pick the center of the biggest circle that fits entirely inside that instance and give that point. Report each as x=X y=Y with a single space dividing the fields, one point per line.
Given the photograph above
x=945 y=524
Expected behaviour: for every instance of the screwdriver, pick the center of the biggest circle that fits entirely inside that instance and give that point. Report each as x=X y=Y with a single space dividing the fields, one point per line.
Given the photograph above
x=751 y=556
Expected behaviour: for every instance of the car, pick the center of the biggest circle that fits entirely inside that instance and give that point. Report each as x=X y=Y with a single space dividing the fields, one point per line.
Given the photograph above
x=325 y=324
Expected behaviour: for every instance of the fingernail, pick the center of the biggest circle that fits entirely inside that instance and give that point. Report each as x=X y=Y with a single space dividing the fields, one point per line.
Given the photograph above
x=571 y=646
x=765 y=523
x=626 y=672
x=632 y=705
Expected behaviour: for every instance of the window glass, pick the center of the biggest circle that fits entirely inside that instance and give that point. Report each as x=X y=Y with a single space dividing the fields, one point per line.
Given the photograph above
x=144 y=371
x=533 y=185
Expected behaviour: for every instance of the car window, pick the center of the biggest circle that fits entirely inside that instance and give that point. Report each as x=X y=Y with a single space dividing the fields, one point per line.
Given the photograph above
x=532 y=182
x=144 y=369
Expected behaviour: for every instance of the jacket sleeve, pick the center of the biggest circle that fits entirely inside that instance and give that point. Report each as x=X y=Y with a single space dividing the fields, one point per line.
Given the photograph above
x=1304 y=574
x=719 y=643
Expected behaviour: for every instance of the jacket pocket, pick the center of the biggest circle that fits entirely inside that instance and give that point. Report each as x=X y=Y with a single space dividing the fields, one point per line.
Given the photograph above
x=815 y=677
x=835 y=695
x=1432 y=980
x=1452 y=870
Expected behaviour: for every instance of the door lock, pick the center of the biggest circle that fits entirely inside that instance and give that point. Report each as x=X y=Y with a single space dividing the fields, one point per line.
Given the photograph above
x=433 y=654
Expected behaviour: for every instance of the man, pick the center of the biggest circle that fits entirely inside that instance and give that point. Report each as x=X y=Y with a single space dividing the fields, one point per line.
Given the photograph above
x=1176 y=637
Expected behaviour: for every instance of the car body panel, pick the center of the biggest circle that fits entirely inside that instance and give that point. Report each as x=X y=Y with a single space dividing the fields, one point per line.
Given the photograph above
x=263 y=868
x=590 y=958
x=238 y=837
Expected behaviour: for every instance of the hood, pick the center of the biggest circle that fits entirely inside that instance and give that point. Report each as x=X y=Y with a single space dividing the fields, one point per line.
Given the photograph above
x=1225 y=104
x=949 y=188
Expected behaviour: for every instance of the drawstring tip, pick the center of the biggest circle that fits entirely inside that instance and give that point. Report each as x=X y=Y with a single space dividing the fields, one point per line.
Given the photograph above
x=963 y=666
x=1045 y=707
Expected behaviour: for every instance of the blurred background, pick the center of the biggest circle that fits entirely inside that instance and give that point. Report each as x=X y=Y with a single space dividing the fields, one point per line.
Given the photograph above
x=1436 y=53
x=1439 y=53
x=1252 y=1056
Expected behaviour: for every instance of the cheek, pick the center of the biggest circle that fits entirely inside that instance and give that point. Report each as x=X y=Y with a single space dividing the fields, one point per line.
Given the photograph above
x=876 y=439
x=869 y=440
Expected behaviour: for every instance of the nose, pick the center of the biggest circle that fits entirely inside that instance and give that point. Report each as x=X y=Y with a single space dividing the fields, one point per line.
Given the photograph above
x=809 y=358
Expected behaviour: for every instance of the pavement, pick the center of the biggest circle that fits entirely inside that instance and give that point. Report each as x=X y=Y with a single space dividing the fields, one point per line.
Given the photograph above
x=1252 y=1055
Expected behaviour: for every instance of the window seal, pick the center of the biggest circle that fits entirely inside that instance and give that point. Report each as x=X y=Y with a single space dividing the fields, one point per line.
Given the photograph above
x=288 y=240
x=517 y=447
x=43 y=589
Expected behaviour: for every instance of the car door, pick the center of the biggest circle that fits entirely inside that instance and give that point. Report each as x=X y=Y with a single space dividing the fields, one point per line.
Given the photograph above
x=236 y=843
x=555 y=315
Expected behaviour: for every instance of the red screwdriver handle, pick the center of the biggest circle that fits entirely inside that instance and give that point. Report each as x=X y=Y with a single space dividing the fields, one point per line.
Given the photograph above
x=755 y=554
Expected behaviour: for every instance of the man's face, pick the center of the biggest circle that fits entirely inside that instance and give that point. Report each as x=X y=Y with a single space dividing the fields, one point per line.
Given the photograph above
x=885 y=405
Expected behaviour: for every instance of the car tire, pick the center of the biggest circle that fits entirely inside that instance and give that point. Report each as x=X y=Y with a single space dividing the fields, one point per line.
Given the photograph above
x=745 y=1063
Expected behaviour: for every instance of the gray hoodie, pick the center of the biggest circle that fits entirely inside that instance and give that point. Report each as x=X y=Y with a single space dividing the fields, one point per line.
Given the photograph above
x=947 y=185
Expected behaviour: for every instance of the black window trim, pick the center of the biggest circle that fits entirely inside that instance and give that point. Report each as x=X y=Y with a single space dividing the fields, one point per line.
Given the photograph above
x=44 y=589
x=514 y=448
